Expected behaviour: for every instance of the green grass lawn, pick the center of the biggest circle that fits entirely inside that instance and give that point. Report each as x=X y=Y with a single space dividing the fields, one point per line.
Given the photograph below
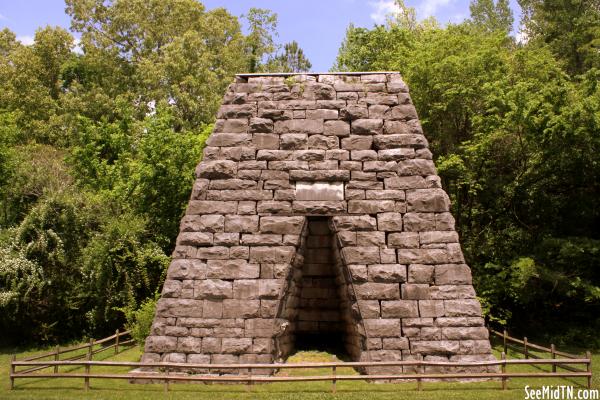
x=118 y=389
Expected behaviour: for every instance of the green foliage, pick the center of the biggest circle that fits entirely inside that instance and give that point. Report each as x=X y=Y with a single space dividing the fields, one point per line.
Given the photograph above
x=121 y=267
x=492 y=16
x=98 y=150
x=571 y=28
x=262 y=26
x=139 y=320
x=517 y=144
x=292 y=60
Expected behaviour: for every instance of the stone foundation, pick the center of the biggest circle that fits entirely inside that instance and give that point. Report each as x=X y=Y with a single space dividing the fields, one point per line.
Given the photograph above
x=317 y=213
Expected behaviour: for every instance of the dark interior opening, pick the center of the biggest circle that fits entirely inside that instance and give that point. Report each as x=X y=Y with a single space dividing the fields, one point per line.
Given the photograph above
x=318 y=305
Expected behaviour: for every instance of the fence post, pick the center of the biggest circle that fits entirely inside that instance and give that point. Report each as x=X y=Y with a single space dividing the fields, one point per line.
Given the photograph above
x=249 y=381
x=56 y=359
x=87 y=366
x=117 y=342
x=166 y=379
x=504 y=337
x=525 y=345
x=334 y=380
x=503 y=371
x=553 y=352
x=11 y=371
x=588 y=355
x=420 y=369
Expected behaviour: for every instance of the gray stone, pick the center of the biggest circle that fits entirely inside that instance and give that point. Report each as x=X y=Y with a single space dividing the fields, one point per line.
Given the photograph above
x=367 y=126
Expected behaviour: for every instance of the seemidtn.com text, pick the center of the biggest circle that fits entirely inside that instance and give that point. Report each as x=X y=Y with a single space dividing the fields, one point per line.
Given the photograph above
x=560 y=392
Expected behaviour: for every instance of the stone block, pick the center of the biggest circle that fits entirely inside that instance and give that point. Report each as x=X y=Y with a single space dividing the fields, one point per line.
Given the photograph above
x=367 y=126
x=438 y=237
x=382 y=327
x=398 y=343
x=189 y=345
x=236 y=345
x=355 y=142
x=427 y=200
x=245 y=224
x=336 y=128
x=261 y=125
x=355 y=223
x=233 y=269
x=387 y=273
x=420 y=273
x=462 y=308
x=275 y=255
x=403 y=240
x=465 y=333
x=213 y=289
x=233 y=308
x=389 y=221
x=281 y=225
x=377 y=291
x=431 y=308
x=217 y=169
x=417 y=222
x=435 y=347
x=178 y=308
x=399 y=309
x=356 y=255
x=161 y=344
x=354 y=112
x=449 y=292
x=370 y=206
x=187 y=269
x=265 y=141
x=452 y=274
x=415 y=291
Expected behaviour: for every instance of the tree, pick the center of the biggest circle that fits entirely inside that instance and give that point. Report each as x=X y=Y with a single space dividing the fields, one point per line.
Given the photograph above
x=259 y=42
x=292 y=60
x=149 y=52
x=492 y=16
x=571 y=28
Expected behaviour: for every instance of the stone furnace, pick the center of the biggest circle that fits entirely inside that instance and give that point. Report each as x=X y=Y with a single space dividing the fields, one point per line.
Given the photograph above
x=317 y=217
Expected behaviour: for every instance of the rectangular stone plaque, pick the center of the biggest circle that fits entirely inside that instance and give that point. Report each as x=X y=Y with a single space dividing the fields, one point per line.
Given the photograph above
x=319 y=191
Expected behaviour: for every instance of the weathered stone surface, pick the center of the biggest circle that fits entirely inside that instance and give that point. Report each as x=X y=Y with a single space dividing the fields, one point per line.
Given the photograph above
x=336 y=128
x=317 y=209
x=452 y=274
x=387 y=272
x=282 y=225
x=382 y=327
x=400 y=309
x=373 y=291
x=217 y=169
x=367 y=126
x=232 y=269
x=427 y=200
x=213 y=289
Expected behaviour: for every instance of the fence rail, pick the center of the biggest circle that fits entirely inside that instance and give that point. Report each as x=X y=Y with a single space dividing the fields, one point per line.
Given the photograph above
x=167 y=372
x=56 y=362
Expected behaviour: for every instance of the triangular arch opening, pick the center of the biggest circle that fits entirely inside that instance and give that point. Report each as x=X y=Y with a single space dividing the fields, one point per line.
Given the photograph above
x=318 y=310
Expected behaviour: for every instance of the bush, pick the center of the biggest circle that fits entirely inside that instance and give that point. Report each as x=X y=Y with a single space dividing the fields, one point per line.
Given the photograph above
x=139 y=320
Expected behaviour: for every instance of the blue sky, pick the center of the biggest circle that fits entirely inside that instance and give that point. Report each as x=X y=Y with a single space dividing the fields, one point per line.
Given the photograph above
x=318 y=25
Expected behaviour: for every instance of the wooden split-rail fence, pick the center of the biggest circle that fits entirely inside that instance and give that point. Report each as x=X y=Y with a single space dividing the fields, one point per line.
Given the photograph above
x=248 y=373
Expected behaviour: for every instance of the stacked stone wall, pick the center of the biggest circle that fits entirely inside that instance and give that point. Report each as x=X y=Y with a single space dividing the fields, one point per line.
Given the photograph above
x=247 y=275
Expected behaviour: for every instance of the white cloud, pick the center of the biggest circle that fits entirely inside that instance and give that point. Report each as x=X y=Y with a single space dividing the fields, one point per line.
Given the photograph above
x=77 y=48
x=424 y=9
x=381 y=9
x=3 y=17
x=428 y=8
x=27 y=40
x=521 y=36
x=458 y=18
